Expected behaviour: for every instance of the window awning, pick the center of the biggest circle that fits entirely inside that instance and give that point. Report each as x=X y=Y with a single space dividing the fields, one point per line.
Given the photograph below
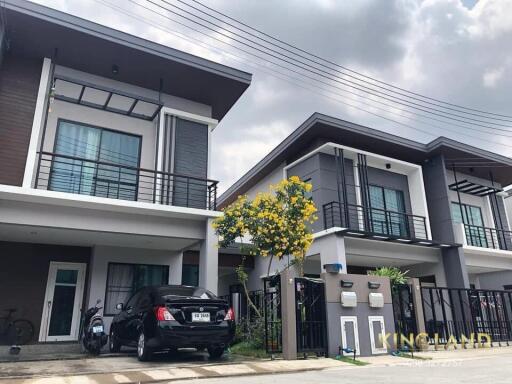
x=106 y=99
x=472 y=188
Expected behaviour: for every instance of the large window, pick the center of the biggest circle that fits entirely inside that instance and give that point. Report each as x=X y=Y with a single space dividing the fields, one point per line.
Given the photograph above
x=471 y=215
x=387 y=215
x=82 y=147
x=190 y=275
x=125 y=279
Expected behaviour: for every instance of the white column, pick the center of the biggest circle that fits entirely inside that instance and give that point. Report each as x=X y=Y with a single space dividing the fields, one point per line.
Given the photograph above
x=37 y=124
x=176 y=269
x=331 y=249
x=209 y=260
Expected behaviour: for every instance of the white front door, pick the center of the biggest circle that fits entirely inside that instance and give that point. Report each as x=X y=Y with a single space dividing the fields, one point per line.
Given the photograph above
x=62 y=303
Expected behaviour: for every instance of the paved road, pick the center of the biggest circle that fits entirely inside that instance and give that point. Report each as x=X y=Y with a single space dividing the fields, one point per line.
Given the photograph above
x=485 y=370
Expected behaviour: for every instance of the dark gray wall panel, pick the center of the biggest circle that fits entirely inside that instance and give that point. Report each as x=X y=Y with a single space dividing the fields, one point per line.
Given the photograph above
x=439 y=207
x=24 y=274
x=19 y=83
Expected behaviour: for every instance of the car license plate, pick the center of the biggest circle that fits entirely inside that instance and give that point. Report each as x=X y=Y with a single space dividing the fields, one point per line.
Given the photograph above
x=97 y=329
x=201 y=317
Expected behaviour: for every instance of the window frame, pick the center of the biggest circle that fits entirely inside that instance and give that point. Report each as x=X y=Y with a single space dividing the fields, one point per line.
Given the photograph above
x=101 y=128
x=167 y=272
x=404 y=214
x=462 y=215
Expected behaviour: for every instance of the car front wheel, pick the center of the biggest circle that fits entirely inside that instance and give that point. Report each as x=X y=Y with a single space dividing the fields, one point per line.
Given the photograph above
x=144 y=353
x=215 y=352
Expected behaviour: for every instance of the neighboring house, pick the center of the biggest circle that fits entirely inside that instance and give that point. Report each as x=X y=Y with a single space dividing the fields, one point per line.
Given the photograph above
x=104 y=166
x=387 y=201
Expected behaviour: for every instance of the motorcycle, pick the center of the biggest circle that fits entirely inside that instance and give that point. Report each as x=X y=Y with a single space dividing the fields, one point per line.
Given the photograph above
x=93 y=336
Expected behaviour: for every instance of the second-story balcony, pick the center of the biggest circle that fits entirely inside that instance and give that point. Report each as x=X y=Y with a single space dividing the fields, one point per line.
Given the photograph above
x=375 y=221
x=78 y=175
x=485 y=237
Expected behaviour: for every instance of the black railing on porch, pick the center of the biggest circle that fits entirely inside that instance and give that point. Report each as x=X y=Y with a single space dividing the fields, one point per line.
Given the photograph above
x=488 y=237
x=375 y=220
x=82 y=176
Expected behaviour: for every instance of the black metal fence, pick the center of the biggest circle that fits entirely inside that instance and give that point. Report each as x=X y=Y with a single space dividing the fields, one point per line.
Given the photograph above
x=462 y=314
x=310 y=316
x=375 y=220
x=488 y=237
x=77 y=175
x=403 y=310
x=272 y=314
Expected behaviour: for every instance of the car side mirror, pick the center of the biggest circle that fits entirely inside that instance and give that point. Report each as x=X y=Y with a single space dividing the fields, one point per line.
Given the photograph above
x=120 y=306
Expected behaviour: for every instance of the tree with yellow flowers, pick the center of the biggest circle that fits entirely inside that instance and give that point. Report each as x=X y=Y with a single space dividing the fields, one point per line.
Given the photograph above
x=276 y=223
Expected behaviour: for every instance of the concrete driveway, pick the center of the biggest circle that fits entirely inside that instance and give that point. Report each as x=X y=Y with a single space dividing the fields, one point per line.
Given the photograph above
x=125 y=361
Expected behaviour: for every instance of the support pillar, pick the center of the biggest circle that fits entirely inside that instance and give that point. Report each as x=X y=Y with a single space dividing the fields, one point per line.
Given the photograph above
x=439 y=206
x=209 y=260
x=331 y=249
x=176 y=269
x=288 y=314
x=418 y=304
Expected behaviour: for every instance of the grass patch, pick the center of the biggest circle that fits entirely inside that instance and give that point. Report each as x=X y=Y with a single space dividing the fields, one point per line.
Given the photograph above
x=247 y=349
x=351 y=360
x=407 y=355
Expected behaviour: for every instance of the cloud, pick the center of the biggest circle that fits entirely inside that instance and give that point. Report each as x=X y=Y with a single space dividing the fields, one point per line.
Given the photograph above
x=456 y=51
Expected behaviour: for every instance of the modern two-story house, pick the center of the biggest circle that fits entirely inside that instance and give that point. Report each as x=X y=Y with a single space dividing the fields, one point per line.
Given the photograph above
x=436 y=210
x=104 y=166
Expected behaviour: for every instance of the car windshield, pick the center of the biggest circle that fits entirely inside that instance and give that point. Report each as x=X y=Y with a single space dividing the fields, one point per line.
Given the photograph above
x=183 y=291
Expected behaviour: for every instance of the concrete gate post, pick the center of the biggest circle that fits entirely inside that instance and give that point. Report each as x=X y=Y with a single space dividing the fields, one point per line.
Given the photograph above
x=417 y=302
x=288 y=314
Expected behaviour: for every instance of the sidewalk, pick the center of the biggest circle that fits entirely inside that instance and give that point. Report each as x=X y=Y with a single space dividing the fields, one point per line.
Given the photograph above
x=128 y=370
x=151 y=374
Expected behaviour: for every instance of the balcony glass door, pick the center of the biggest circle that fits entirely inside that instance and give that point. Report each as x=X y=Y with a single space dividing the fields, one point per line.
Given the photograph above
x=387 y=214
x=473 y=218
x=81 y=167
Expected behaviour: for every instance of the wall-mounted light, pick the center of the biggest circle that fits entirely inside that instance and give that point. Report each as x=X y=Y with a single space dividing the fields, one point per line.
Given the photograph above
x=373 y=285
x=346 y=284
x=388 y=166
x=333 y=268
x=115 y=69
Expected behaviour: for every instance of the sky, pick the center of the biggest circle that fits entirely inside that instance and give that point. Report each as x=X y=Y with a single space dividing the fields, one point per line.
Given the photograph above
x=454 y=50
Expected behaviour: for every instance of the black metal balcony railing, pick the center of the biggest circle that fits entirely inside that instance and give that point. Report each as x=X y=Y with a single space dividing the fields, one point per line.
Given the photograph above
x=375 y=221
x=488 y=237
x=71 y=174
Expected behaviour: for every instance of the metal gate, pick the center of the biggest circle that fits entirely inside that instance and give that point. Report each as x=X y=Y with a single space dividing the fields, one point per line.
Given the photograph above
x=272 y=314
x=457 y=313
x=310 y=316
x=403 y=310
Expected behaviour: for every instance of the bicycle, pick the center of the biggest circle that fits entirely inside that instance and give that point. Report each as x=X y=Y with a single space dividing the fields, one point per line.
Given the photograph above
x=15 y=331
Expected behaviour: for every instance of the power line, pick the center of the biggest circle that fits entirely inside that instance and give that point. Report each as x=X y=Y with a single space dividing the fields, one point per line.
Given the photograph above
x=338 y=65
x=320 y=71
x=159 y=26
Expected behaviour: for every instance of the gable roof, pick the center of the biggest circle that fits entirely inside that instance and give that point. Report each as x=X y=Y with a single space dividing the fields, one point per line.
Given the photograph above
x=36 y=31
x=328 y=128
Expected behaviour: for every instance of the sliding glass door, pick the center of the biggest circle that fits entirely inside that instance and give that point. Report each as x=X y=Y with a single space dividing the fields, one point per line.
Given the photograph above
x=471 y=216
x=387 y=213
x=95 y=161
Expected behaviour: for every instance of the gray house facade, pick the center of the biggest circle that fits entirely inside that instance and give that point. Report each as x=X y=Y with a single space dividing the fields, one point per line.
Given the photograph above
x=436 y=210
x=104 y=166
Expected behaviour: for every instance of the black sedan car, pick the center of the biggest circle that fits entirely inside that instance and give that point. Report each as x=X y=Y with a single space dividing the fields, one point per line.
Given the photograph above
x=170 y=317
